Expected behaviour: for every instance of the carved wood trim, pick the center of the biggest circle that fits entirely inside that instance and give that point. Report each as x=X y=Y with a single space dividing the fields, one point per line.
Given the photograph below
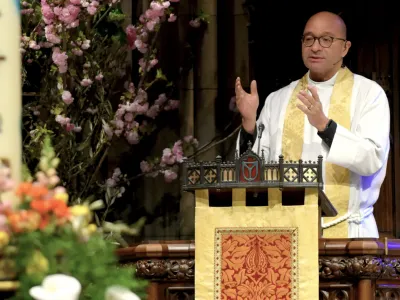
x=165 y=269
x=359 y=267
x=329 y=268
x=342 y=267
x=391 y=268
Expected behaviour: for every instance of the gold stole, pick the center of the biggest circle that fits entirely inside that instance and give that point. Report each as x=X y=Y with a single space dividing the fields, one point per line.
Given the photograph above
x=337 y=179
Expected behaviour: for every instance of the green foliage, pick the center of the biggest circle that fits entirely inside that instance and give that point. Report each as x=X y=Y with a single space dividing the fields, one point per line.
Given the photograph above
x=93 y=262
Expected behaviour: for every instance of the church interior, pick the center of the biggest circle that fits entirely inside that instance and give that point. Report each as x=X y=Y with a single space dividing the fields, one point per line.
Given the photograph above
x=124 y=171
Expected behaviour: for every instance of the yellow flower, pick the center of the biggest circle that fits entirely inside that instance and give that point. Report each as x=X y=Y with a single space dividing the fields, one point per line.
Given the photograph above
x=37 y=264
x=4 y=239
x=61 y=197
x=80 y=210
x=92 y=228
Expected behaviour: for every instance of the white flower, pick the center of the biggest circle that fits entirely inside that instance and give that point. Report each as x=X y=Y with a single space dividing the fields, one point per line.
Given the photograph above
x=117 y=292
x=57 y=286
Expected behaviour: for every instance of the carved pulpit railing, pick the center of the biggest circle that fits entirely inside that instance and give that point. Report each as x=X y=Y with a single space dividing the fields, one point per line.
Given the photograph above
x=247 y=208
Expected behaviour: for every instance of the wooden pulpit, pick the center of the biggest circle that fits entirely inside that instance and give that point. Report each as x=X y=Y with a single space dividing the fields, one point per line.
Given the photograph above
x=257 y=227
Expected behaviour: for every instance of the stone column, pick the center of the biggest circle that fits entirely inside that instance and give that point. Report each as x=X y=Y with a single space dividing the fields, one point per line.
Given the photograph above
x=206 y=80
x=233 y=61
x=186 y=112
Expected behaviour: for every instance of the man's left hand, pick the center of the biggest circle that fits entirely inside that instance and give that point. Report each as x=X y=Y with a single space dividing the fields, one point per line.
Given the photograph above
x=312 y=107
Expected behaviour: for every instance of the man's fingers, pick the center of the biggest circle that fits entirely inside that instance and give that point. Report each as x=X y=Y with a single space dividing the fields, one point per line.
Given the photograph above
x=238 y=86
x=314 y=93
x=253 y=87
x=303 y=108
x=305 y=100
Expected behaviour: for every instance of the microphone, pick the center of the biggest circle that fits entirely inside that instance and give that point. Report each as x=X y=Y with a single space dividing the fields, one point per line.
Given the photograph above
x=261 y=128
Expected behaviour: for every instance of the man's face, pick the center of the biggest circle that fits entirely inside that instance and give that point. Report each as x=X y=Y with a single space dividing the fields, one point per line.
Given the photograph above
x=323 y=57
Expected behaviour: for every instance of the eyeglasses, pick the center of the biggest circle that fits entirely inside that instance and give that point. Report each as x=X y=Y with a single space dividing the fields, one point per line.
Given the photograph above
x=325 y=41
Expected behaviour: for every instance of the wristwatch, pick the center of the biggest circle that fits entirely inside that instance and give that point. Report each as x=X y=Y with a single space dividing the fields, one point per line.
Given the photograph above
x=328 y=125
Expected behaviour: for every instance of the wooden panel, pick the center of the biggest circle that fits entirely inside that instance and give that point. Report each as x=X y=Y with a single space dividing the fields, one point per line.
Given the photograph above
x=375 y=61
x=384 y=207
x=170 y=290
x=387 y=291
x=180 y=293
x=336 y=291
x=396 y=127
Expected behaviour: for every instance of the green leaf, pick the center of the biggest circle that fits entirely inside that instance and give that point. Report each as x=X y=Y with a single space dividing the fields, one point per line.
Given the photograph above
x=160 y=75
x=96 y=205
x=84 y=145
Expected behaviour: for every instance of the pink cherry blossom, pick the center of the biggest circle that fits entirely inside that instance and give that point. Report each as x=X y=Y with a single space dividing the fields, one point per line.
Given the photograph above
x=92 y=10
x=162 y=98
x=195 y=23
x=47 y=12
x=60 y=59
x=62 y=120
x=69 y=127
x=153 y=111
x=156 y=5
x=132 y=137
x=145 y=166
x=178 y=151
x=131 y=36
x=191 y=140
x=128 y=117
x=99 y=77
x=170 y=175
x=67 y=97
x=85 y=45
x=77 y=52
x=28 y=11
x=86 y=82
x=111 y=182
x=172 y=104
x=51 y=35
x=172 y=18
x=33 y=45
x=168 y=157
x=67 y=14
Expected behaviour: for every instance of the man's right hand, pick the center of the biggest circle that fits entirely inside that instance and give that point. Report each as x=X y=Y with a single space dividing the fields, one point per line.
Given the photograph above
x=247 y=104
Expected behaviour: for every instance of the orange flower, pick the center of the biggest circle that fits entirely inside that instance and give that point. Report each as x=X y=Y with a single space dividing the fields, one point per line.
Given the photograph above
x=34 y=191
x=41 y=206
x=23 y=189
x=60 y=209
x=24 y=220
x=38 y=191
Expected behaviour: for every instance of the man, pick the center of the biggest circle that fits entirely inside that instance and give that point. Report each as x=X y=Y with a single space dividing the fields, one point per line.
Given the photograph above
x=330 y=112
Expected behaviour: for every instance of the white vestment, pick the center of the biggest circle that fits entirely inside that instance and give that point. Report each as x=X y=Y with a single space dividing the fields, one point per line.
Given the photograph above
x=363 y=150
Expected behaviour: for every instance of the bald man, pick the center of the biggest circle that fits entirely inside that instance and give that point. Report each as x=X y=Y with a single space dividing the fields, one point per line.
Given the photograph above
x=331 y=112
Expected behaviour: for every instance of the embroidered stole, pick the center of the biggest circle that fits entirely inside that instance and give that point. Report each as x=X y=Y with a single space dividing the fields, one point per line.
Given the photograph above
x=337 y=179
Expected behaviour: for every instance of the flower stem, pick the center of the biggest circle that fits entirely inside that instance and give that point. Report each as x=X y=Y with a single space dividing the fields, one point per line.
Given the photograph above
x=103 y=16
x=95 y=171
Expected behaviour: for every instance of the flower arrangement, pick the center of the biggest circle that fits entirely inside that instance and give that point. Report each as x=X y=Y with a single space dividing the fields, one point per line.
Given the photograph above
x=44 y=239
x=80 y=89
